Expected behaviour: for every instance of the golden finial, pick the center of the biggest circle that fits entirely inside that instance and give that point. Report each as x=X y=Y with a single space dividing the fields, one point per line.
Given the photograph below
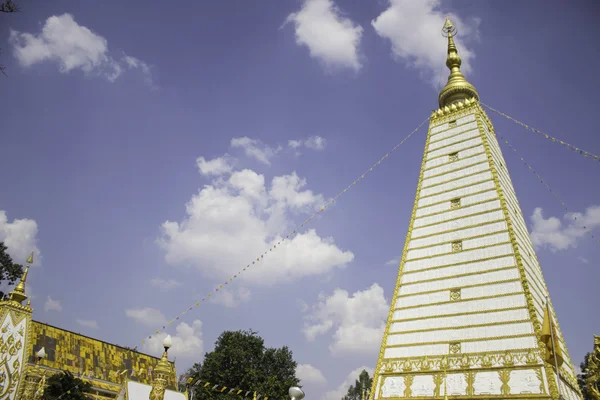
x=457 y=88
x=18 y=293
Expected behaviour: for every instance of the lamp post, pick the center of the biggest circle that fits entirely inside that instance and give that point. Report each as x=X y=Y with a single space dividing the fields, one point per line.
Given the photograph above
x=296 y=393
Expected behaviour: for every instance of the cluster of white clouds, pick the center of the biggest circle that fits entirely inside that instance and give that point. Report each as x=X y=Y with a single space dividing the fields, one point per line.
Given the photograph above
x=187 y=339
x=411 y=27
x=356 y=322
x=20 y=238
x=321 y=26
x=239 y=215
x=554 y=234
x=74 y=47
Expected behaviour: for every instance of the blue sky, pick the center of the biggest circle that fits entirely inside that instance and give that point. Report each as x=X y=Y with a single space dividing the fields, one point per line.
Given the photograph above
x=148 y=153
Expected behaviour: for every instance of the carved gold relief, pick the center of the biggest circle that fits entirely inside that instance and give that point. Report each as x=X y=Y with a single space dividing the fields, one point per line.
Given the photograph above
x=454 y=204
x=454 y=347
x=455 y=294
x=504 y=378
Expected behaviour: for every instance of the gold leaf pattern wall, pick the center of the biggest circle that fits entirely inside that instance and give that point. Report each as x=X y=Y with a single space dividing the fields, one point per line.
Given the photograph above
x=82 y=355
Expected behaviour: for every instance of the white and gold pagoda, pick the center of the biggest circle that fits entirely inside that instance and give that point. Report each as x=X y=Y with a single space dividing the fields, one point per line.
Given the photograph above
x=467 y=313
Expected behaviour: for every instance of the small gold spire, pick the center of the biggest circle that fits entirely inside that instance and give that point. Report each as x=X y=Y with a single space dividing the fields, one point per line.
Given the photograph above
x=457 y=88
x=18 y=293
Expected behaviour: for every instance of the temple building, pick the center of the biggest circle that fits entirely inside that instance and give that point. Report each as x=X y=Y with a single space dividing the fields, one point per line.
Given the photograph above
x=470 y=315
x=31 y=351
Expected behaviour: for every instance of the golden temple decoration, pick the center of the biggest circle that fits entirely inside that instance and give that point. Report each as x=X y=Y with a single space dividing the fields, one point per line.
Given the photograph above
x=162 y=374
x=18 y=293
x=592 y=374
x=457 y=88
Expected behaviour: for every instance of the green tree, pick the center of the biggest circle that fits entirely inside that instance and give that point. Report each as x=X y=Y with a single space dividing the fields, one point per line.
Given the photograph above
x=7 y=6
x=362 y=384
x=66 y=385
x=241 y=360
x=9 y=271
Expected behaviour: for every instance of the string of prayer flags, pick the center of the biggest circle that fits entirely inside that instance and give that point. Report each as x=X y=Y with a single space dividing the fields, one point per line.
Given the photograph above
x=261 y=257
x=587 y=230
x=290 y=235
x=223 y=389
x=584 y=153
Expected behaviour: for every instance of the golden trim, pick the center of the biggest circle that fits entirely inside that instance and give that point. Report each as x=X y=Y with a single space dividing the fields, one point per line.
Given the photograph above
x=462 y=262
x=461 y=275
x=452 y=360
x=441 y=165
x=484 y=162
x=440 y=303
x=457 y=247
x=456 y=188
x=463 y=239
x=457 y=142
x=482 y=339
x=460 y=229
x=460 y=216
x=456 y=179
x=462 y=197
x=455 y=134
x=461 y=327
x=462 y=287
x=447 y=154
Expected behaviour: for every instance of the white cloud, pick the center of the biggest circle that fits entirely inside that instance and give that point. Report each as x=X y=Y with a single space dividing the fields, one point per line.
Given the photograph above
x=19 y=237
x=147 y=316
x=358 y=320
x=583 y=260
x=88 y=323
x=314 y=143
x=165 y=284
x=341 y=390
x=552 y=233
x=309 y=374
x=187 y=342
x=73 y=47
x=413 y=28
x=52 y=305
x=330 y=37
x=231 y=222
x=215 y=167
x=231 y=298
x=394 y=261
x=254 y=148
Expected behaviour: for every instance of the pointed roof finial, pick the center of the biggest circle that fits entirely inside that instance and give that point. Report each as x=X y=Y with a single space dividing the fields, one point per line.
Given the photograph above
x=18 y=293
x=457 y=88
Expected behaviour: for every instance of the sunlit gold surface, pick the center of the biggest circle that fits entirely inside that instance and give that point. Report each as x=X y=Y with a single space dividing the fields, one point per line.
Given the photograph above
x=18 y=293
x=163 y=373
x=457 y=88
x=91 y=358
x=592 y=378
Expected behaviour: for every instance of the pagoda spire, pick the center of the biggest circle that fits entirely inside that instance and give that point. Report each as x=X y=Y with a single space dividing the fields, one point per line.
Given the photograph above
x=457 y=88
x=18 y=293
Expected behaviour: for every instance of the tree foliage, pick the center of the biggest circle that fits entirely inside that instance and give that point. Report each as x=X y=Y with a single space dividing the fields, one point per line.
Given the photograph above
x=8 y=6
x=241 y=360
x=9 y=271
x=65 y=382
x=363 y=383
